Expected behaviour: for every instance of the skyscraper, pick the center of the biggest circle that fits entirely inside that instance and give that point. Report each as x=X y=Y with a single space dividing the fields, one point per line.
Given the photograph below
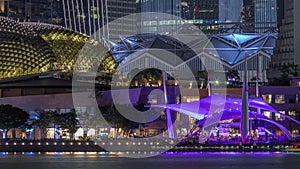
x=162 y=15
x=260 y=15
x=91 y=15
x=206 y=14
x=248 y=15
x=287 y=51
x=33 y=10
x=265 y=13
x=230 y=10
x=205 y=10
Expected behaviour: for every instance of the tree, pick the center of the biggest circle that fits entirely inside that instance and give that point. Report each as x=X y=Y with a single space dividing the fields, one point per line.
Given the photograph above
x=45 y=119
x=114 y=118
x=287 y=73
x=254 y=78
x=11 y=118
x=145 y=76
x=202 y=75
x=233 y=75
x=70 y=122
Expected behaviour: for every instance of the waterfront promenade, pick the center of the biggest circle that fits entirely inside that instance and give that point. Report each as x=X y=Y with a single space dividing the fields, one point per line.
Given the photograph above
x=90 y=146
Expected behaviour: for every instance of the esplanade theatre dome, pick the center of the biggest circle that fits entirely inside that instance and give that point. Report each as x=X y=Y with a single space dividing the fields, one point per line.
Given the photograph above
x=33 y=48
x=22 y=50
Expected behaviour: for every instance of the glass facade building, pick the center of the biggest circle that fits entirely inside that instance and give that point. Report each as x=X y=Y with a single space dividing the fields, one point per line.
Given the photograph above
x=205 y=14
x=260 y=15
x=165 y=15
x=265 y=14
x=45 y=11
x=89 y=16
x=230 y=10
x=286 y=52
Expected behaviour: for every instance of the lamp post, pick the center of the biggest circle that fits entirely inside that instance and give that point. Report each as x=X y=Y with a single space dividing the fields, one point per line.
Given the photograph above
x=168 y=113
x=244 y=128
x=257 y=77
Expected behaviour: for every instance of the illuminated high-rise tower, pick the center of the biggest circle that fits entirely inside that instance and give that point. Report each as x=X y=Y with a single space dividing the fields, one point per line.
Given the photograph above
x=265 y=13
x=287 y=49
x=162 y=15
x=89 y=16
x=230 y=10
x=33 y=10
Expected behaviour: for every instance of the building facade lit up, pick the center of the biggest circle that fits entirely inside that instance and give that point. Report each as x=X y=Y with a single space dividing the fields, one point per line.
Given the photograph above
x=286 y=51
x=226 y=52
x=88 y=17
x=34 y=54
x=33 y=11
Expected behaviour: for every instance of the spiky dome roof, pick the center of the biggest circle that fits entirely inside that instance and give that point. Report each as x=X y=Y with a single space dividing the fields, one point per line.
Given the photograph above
x=22 y=50
x=31 y=48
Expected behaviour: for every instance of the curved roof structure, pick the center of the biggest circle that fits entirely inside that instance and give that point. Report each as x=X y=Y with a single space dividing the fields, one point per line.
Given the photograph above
x=215 y=109
x=22 y=51
x=229 y=48
x=67 y=45
x=31 y=48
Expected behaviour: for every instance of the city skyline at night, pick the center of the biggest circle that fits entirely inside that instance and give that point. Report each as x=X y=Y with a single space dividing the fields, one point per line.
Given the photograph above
x=189 y=83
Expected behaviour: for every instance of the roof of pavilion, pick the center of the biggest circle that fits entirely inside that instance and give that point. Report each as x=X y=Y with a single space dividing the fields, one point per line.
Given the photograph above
x=230 y=48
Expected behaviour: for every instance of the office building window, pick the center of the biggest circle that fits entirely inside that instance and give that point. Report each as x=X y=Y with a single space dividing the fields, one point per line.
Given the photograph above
x=268 y=114
x=267 y=98
x=293 y=99
x=280 y=99
x=292 y=113
x=279 y=117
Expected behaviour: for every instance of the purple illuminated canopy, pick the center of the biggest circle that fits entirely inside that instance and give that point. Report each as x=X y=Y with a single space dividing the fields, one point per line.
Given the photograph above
x=226 y=108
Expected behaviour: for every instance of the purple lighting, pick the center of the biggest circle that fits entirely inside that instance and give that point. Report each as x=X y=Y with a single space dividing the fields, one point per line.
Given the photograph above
x=230 y=110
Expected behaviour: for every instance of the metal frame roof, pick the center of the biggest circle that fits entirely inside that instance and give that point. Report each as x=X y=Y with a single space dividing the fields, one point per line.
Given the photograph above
x=231 y=49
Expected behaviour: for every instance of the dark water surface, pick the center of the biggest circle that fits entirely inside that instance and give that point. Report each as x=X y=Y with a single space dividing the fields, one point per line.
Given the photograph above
x=165 y=161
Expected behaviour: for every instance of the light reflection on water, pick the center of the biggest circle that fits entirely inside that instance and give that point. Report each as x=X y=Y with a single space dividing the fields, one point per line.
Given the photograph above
x=95 y=160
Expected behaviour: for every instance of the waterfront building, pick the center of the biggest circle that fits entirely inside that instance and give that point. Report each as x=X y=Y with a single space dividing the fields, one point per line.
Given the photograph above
x=27 y=73
x=285 y=99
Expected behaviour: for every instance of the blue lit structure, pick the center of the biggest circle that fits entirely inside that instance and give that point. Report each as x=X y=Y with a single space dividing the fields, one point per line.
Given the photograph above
x=223 y=51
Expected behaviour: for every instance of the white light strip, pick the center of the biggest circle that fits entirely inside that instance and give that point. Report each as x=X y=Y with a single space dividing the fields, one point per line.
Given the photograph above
x=99 y=26
x=73 y=9
x=103 y=23
x=107 y=21
x=94 y=28
x=65 y=16
x=69 y=14
x=89 y=17
x=79 y=15
x=83 y=17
